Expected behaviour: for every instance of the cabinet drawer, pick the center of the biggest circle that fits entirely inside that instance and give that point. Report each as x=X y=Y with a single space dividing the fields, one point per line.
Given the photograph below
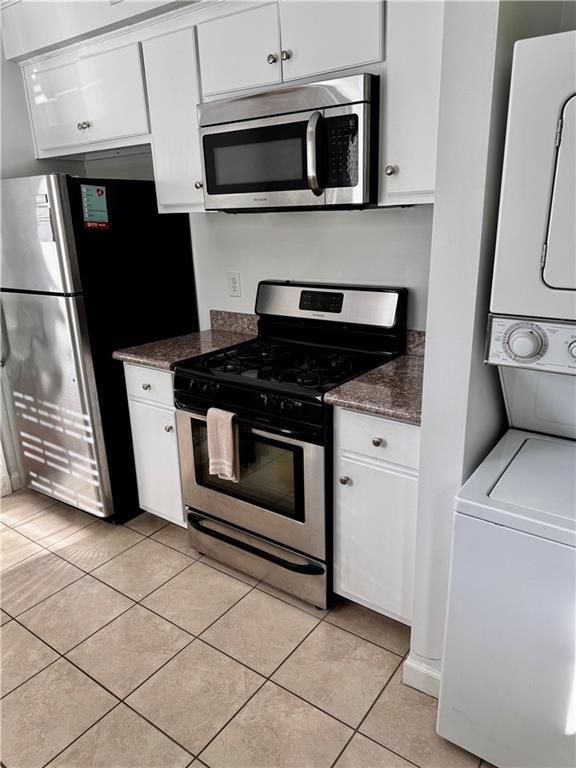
x=377 y=438
x=149 y=384
x=87 y=98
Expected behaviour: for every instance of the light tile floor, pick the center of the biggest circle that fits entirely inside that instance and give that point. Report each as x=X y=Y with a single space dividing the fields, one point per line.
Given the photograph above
x=121 y=647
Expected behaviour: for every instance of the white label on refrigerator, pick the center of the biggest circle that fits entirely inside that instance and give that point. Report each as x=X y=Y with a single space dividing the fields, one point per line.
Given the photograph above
x=44 y=223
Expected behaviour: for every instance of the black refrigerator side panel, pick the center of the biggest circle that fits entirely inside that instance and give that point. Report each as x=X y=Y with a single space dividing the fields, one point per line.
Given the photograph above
x=138 y=281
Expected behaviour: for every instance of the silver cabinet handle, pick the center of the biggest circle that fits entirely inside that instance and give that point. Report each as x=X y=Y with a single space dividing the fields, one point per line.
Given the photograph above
x=378 y=442
x=345 y=480
x=272 y=58
x=83 y=125
x=168 y=428
x=285 y=55
x=198 y=185
x=146 y=387
x=311 y=162
x=391 y=170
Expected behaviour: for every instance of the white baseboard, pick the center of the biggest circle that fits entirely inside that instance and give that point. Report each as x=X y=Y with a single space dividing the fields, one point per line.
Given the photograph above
x=424 y=677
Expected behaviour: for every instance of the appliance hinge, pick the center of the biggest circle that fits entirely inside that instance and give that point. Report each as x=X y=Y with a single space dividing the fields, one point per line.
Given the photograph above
x=543 y=257
x=559 y=132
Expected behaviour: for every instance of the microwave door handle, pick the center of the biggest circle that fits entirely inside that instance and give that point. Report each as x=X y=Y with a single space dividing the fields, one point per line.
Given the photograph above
x=311 y=158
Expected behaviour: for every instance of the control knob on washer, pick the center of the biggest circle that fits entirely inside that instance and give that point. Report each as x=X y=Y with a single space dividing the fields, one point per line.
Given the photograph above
x=525 y=343
x=572 y=350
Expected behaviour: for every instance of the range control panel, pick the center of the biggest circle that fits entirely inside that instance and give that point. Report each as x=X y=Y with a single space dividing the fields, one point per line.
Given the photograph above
x=536 y=344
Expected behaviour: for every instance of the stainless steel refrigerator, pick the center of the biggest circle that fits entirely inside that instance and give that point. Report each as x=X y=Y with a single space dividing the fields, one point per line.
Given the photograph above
x=87 y=266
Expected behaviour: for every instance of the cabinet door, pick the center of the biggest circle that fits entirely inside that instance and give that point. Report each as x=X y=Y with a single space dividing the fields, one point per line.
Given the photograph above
x=410 y=109
x=83 y=99
x=234 y=50
x=156 y=458
x=321 y=36
x=172 y=82
x=374 y=536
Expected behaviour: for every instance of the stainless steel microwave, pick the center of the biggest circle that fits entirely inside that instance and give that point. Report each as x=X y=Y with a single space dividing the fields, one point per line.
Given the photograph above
x=310 y=146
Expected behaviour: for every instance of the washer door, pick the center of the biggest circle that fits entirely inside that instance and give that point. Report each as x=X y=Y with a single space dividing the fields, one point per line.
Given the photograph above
x=560 y=264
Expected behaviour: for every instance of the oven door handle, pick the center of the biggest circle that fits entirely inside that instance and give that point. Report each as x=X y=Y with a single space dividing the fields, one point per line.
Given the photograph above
x=258 y=429
x=311 y=154
x=310 y=568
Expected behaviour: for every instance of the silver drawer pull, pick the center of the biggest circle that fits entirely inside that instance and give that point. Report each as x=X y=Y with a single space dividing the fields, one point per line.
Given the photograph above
x=272 y=58
x=345 y=480
x=168 y=428
x=146 y=387
x=378 y=442
x=391 y=170
x=83 y=125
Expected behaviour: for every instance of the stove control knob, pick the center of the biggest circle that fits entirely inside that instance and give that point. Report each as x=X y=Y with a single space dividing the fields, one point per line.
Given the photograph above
x=286 y=406
x=525 y=343
x=572 y=350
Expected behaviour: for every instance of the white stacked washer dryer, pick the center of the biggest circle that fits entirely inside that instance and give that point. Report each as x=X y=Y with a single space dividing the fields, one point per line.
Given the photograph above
x=508 y=691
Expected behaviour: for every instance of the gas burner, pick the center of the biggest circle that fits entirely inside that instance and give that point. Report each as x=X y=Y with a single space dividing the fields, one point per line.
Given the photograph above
x=309 y=379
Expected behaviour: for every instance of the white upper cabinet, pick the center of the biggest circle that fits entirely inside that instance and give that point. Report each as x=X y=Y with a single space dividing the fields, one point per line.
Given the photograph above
x=321 y=36
x=172 y=82
x=279 y=42
x=87 y=98
x=409 y=114
x=240 y=51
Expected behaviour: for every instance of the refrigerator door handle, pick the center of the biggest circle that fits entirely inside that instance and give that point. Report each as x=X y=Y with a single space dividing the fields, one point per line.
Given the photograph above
x=3 y=338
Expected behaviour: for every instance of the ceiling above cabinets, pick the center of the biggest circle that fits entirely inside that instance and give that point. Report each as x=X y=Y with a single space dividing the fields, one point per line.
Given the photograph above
x=32 y=26
x=141 y=84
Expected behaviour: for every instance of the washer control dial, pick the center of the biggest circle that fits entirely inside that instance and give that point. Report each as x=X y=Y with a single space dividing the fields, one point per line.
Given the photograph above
x=524 y=342
x=572 y=350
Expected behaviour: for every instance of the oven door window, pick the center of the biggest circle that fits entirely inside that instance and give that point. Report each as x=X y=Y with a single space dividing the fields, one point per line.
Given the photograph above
x=271 y=472
x=267 y=159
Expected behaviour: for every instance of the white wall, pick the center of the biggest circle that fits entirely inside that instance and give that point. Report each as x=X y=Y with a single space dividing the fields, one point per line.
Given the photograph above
x=462 y=414
x=386 y=247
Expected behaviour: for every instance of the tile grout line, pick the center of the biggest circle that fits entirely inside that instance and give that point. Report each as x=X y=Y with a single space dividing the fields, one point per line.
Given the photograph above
x=85 y=572
x=45 y=765
x=122 y=700
x=194 y=559
x=267 y=678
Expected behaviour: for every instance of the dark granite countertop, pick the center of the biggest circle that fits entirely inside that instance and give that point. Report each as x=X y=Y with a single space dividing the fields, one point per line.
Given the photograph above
x=393 y=391
x=166 y=353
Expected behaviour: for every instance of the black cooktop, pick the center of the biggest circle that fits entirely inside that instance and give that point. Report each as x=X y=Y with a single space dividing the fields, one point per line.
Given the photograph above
x=283 y=365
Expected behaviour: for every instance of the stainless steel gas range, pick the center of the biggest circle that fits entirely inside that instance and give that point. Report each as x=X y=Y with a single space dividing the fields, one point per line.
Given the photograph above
x=275 y=522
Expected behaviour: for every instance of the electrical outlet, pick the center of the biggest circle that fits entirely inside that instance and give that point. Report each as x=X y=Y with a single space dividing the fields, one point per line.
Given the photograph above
x=234 y=287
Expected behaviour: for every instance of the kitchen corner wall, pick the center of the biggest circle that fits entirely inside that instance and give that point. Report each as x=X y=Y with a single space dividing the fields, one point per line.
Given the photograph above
x=376 y=247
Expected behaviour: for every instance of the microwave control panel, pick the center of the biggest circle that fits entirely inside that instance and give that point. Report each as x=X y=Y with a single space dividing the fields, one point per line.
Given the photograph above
x=341 y=151
x=536 y=344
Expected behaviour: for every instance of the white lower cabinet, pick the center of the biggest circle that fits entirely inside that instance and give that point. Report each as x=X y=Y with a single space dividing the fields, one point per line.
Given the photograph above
x=375 y=512
x=156 y=457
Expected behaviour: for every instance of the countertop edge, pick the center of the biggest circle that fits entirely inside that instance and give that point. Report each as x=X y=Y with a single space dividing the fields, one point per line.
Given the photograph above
x=373 y=410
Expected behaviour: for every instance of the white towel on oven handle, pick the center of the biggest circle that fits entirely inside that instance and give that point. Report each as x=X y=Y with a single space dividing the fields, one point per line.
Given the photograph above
x=223 y=452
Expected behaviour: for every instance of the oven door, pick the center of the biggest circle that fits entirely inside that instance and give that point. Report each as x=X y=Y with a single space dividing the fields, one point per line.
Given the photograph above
x=260 y=163
x=281 y=491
